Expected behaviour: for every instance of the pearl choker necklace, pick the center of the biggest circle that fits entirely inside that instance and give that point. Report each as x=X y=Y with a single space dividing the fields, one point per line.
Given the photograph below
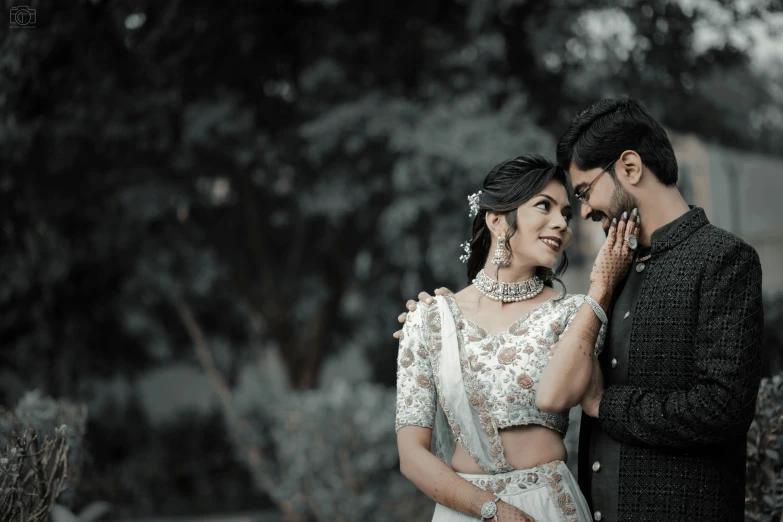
x=508 y=292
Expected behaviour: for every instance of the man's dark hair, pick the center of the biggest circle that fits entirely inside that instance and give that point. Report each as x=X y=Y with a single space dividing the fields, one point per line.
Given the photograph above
x=609 y=127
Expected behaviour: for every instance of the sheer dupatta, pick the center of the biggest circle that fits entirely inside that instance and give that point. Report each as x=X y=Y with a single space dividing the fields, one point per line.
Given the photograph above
x=462 y=413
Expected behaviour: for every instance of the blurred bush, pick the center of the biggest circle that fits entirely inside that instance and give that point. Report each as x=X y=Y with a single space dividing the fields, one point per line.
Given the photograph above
x=185 y=466
x=334 y=456
x=41 y=456
x=764 y=479
x=330 y=454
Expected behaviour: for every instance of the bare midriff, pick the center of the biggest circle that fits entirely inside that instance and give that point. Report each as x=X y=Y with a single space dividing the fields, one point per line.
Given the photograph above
x=525 y=447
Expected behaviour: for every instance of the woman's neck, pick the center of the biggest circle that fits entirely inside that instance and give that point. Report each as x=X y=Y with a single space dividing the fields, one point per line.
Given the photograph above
x=509 y=274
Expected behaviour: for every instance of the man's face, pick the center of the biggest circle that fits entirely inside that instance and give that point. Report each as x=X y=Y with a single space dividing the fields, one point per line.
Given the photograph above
x=606 y=198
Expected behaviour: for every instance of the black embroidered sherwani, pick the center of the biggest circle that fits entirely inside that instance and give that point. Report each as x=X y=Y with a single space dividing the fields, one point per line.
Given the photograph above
x=681 y=367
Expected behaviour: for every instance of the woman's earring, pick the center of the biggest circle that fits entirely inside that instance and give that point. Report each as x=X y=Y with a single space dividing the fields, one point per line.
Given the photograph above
x=546 y=274
x=501 y=254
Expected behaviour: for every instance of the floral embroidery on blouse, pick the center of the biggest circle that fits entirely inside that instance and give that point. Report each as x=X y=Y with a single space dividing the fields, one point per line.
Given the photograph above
x=416 y=394
x=501 y=371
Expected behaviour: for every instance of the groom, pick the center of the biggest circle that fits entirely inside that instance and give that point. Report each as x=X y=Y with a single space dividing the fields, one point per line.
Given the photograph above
x=664 y=436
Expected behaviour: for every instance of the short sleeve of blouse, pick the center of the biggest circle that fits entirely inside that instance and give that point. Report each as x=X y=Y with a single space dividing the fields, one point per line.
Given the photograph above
x=416 y=395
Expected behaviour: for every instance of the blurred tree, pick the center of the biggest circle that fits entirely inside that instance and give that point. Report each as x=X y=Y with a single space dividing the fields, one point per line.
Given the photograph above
x=152 y=167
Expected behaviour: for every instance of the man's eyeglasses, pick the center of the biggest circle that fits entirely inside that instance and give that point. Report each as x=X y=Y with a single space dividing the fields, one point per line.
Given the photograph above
x=582 y=196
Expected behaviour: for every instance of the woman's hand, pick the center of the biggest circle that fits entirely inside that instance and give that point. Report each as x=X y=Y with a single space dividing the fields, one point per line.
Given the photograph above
x=615 y=256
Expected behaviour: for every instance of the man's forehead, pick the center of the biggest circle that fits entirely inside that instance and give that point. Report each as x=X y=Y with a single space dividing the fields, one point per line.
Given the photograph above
x=579 y=178
x=575 y=172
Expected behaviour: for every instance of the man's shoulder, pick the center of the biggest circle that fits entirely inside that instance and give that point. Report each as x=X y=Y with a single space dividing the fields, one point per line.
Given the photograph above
x=718 y=246
x=710 y=232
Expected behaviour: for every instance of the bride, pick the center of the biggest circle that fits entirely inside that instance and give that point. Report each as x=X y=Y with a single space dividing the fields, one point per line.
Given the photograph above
x=482 y=397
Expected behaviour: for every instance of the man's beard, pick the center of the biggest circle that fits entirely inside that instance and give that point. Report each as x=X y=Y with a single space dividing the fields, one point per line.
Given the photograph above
x=622 y=201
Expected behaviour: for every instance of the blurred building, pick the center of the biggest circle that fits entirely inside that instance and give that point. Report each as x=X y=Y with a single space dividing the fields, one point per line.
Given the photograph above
x=740 y=192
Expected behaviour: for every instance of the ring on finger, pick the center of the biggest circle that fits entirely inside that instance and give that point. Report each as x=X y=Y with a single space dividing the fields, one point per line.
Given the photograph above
x=632 y=241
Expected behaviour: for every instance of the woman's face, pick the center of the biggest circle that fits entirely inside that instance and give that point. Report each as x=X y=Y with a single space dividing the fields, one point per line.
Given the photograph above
x=543 y=230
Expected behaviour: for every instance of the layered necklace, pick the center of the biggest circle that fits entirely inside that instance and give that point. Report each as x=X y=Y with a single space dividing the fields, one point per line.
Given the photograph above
x=508 y=292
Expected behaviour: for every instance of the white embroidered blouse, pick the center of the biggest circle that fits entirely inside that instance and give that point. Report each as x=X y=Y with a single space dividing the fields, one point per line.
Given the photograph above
x=500 y=371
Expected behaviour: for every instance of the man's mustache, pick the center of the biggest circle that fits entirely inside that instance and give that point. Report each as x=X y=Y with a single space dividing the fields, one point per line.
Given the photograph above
x=596 y=216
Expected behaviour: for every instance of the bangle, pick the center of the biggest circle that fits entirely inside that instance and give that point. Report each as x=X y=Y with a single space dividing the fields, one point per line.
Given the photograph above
x=489 y=511
x=597 y=309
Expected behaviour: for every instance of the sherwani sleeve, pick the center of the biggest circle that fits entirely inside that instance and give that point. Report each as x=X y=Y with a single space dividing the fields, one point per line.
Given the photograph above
x=720 y=403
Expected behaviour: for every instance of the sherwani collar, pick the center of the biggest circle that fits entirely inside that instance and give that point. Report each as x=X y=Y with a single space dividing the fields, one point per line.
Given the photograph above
x=673 y=233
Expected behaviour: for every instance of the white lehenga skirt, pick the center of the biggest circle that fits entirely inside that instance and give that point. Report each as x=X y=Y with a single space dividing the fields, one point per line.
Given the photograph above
x=547 y=493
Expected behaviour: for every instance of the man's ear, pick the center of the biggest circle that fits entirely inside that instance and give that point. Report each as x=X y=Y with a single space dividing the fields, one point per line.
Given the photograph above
x=630 y=167
x=496 y=223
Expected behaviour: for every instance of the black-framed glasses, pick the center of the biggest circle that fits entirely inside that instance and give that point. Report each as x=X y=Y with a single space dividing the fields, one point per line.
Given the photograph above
x=582 y=196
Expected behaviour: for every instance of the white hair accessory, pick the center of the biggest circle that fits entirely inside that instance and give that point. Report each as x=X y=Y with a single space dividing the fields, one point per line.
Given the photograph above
x=473 y=200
